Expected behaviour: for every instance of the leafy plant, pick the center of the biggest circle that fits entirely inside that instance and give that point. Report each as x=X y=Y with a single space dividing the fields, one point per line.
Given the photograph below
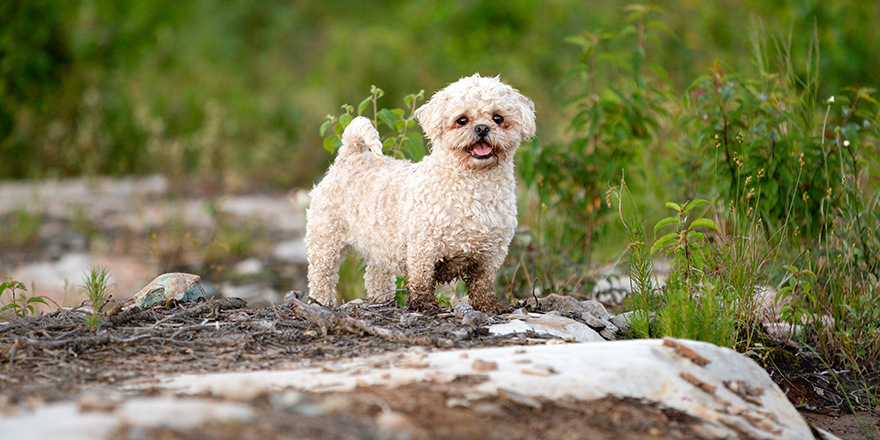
x=399 y=139
x=797 y=296
x=19 y=303
x=96 y=285
x=686 y=244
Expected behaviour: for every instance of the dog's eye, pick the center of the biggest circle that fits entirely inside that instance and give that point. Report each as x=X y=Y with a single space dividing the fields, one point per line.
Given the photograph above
x=498 y=119
x=462 y=120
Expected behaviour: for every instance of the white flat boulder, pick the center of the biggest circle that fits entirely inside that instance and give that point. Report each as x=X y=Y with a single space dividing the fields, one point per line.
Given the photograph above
x=732 y=394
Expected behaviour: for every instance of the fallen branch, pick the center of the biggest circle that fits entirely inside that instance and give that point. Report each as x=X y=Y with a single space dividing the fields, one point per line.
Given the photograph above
x=214 y=306
x=328 y=319
x=82 y=341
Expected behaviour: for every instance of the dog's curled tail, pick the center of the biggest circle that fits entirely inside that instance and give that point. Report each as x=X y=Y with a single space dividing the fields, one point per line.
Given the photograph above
x=359 y=136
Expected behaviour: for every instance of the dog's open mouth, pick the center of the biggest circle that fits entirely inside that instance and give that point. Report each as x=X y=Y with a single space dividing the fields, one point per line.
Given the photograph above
x=481 y=150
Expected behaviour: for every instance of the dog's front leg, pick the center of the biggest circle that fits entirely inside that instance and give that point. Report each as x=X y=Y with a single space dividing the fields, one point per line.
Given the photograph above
x=481 y=290
x=421 y=284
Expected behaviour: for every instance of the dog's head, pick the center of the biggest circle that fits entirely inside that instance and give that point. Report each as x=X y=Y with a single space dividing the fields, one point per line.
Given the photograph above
x=479 y=122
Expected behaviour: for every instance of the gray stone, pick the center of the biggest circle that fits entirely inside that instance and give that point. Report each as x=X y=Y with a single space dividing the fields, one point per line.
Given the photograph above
x=408 y=319
x=474 y=318
x=549 y=324
x=180 y=287
x=596 y=309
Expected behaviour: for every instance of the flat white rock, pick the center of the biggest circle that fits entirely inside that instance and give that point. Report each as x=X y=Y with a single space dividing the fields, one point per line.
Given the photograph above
x=640 y=369
x=549 y=324
x=66 y=420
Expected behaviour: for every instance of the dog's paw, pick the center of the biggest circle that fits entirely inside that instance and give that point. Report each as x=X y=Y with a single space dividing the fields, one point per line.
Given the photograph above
x=422 y=303
x=491 y=306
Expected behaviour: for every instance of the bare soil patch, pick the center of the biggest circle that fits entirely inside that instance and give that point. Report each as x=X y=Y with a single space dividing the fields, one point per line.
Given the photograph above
x=55 y=356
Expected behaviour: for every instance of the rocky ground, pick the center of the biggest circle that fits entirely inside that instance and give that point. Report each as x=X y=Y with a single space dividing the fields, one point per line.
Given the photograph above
x=266 y=367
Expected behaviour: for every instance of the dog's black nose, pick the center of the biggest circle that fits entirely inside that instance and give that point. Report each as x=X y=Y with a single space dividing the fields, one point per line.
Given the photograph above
x=482 y=130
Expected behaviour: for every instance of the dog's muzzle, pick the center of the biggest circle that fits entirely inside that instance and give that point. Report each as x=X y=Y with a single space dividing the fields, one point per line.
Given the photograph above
x=481 y=149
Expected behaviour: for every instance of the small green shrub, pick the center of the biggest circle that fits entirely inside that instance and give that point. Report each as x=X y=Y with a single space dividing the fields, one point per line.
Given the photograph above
x=19 y=303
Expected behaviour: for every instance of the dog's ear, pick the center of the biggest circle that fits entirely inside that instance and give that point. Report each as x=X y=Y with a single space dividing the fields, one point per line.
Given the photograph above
x=430 y=117
x=526 y=113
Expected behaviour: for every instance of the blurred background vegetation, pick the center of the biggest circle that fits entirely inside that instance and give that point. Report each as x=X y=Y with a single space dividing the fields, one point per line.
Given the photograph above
x=232 y=92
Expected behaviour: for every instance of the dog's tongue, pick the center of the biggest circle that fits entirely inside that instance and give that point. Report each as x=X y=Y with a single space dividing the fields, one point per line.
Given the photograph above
x=482 y=149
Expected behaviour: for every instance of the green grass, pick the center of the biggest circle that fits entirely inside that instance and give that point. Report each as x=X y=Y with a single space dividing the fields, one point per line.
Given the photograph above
x=96 y=285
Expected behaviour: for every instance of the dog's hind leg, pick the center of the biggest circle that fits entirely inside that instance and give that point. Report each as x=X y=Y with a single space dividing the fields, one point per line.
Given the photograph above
x=325 y=254
x=378 y=279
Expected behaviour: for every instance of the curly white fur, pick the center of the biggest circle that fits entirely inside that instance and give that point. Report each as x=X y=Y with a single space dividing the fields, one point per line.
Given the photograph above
x=450 y=216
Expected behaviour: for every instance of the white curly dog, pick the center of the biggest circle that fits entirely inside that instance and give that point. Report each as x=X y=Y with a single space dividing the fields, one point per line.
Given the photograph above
x=450 y=216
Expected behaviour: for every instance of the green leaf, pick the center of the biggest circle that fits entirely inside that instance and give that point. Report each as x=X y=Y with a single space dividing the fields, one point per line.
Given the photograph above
x=703 y=222
x=674 y=206
x=697 y=236
x=413 y=151
x=37 y=299
x=664 y=241
x=364 y=104
x=345 y=119
x=330 y=145
x=664 y=222
x=387 y=118
x=324 y=127
x=790 y=268
x=693 y=204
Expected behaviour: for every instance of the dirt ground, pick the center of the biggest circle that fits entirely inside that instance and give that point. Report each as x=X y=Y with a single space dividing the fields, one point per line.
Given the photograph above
x=55 y=357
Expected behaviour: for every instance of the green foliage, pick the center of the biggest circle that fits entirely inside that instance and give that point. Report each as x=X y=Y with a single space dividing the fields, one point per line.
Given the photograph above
x=351 y=278
x=644 y=298
x=696 y=302
x=96 y=285
x=399 y=138
x=616 y=118
x=227 y=90
x=19 y=303
x=779 y=174
x=797 y=296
